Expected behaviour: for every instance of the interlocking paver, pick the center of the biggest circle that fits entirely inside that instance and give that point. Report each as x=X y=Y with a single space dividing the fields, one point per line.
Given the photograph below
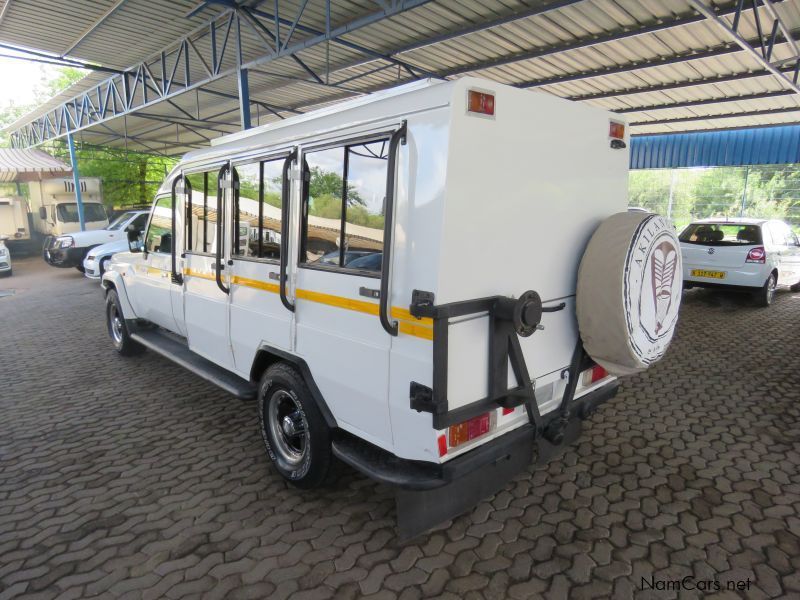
x=132 y=478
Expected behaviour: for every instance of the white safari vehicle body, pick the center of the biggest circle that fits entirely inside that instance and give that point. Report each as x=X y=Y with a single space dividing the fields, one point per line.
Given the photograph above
x=401 y=324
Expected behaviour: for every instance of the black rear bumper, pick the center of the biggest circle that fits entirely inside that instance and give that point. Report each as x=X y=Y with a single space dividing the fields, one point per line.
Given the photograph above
x=429 y=494
x=513 y=447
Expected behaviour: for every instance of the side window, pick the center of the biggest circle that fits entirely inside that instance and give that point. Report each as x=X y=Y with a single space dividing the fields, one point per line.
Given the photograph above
x=140 y=222
x=258 y=216
x=344 y=206
x=159 y=234
x=201 y=221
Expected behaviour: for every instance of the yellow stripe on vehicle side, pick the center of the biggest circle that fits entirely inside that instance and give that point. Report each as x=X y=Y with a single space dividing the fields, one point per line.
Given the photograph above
x=407 y=323
x=199 y=275
x=256 y=284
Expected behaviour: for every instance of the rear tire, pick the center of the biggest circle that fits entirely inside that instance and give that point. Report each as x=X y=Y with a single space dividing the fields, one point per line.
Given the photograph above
x=296 y=436
x=117 y=329
x=766 y=294
x=795 y=287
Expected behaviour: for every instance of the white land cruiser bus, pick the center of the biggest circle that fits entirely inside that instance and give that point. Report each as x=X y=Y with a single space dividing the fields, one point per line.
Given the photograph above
x=396 y=280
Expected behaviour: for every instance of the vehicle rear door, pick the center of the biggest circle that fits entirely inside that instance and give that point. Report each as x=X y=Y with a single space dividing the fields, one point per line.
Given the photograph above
x=257 y=315
x=338 y=280
x=206 y=269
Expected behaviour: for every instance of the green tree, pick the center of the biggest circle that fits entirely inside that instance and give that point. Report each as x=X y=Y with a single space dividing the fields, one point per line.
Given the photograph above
x=330 y=183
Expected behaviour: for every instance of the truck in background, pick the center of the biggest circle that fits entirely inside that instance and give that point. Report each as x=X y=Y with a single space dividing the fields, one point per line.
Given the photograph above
x=54 y=209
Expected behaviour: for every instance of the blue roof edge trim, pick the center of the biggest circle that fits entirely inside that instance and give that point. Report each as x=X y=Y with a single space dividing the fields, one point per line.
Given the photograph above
x=727 y=148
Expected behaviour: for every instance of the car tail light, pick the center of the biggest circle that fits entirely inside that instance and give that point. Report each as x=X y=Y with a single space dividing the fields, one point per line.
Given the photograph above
x=757 y=255
x=469 y=430
x=442 y=445
x=616 y=130
x=593 y=375
x=480 y=102
x=507 y=411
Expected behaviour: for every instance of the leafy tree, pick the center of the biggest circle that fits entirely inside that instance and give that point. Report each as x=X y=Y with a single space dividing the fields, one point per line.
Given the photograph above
x=330 y=183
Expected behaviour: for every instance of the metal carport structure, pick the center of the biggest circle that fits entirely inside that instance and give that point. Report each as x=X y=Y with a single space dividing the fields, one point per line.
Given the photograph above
x=169 y=76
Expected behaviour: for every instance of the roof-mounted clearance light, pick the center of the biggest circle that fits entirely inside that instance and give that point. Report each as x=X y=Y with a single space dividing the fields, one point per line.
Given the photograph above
x=480 y=103
x=616 y=130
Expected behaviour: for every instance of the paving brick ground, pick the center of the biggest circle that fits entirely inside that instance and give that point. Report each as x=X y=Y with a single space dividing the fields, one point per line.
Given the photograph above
x=131 y=478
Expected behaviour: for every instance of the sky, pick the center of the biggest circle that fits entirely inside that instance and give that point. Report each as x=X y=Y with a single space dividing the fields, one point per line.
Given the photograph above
x=19 y=78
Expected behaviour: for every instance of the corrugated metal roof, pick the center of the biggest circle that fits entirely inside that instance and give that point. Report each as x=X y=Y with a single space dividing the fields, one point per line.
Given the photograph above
x=755 y=146
x=657 y=61
x=29 y=164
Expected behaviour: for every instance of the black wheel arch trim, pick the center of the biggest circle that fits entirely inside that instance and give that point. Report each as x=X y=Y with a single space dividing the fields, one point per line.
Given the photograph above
x=305 y=373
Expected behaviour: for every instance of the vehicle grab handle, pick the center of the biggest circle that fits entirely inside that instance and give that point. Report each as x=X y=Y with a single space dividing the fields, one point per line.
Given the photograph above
x=187 y=192
x=285 y=214
x=220 y=217
x=398 y=137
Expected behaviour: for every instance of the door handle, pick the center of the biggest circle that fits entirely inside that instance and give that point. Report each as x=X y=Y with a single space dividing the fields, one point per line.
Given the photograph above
x=369 y=292
x=276 y=276
x=214 y=267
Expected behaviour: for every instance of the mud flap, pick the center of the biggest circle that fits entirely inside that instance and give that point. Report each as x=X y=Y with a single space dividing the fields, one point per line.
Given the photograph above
x=419 y=511
x=547 y=451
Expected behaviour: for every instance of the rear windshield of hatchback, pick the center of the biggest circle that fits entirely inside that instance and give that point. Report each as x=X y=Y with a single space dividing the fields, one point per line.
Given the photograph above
x=722 y=234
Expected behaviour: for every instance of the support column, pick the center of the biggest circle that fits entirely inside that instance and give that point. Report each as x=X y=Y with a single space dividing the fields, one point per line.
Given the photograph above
x=244 y=99
x=744 y=192
x=76 y=179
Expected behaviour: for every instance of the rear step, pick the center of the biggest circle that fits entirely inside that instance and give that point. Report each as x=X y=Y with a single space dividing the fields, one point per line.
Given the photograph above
x=178 y=352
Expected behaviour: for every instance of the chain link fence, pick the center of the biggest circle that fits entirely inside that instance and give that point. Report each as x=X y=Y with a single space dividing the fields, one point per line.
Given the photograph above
x=761 y=191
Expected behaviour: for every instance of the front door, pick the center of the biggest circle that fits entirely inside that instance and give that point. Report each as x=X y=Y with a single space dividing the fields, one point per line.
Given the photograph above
x=339 y=333
x=206 y=270
x=257 y=316
x=154 y=288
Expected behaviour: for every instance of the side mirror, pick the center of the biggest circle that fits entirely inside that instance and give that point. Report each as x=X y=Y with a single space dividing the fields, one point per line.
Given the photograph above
x=135 y=243
x=43 y=213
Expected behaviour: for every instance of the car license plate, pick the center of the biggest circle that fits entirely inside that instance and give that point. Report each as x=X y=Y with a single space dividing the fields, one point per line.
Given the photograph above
x=708 y=274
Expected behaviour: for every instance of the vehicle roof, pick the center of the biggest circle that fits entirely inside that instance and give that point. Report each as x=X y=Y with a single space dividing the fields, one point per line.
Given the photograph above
x=732 y=221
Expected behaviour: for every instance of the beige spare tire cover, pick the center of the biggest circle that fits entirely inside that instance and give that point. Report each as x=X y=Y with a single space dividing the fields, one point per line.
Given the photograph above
x=630 y=283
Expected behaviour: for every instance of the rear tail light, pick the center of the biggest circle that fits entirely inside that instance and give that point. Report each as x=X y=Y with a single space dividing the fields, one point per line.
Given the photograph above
x=593 y=375
x=469 y=430
x=480 y=102
x=757 y=255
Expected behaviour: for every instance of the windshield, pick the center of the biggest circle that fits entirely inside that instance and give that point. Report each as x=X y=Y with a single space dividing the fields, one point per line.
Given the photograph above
x=120 y=220
x=722 y=234
x=68 y=213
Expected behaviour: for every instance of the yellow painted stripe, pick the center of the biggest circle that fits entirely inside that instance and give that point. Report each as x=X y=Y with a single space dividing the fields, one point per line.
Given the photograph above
x=199 y=274
x=407 y=323
x=256 y=284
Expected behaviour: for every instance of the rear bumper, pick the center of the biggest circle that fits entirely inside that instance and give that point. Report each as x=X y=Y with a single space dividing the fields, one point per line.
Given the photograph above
x=513 y=448
x=751 y=277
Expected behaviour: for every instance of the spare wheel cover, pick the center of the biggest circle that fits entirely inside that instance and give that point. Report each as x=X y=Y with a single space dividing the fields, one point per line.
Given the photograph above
x=629 y=290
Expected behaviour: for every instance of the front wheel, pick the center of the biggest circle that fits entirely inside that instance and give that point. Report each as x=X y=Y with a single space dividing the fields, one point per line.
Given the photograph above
x=295 y=434
x=766 y=294
x=117 y=329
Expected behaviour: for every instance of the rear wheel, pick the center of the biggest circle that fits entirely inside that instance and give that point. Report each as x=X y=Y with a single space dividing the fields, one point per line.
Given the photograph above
x=766 y=294
x=295 y=434
x=795 y=287
x=117 y=329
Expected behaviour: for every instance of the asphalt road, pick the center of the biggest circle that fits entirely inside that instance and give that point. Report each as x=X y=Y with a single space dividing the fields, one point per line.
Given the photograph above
x=132 y=478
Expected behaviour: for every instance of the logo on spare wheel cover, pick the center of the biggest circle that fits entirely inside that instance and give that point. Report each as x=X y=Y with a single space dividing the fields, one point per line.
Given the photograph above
x=711 y=251
x=653 y=287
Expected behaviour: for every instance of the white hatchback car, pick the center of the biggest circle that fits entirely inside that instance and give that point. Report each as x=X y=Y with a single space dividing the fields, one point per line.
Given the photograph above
x=5 y=259
x=753 y=255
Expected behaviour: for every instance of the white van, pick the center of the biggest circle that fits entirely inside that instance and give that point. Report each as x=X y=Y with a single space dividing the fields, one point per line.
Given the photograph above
x=394 y=279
